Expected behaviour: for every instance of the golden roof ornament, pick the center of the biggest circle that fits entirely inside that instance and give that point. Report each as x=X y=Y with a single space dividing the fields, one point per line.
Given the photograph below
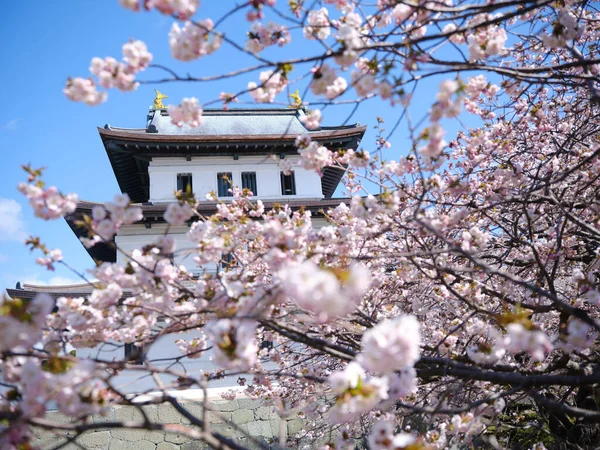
x=158 y=104
x=297 y=100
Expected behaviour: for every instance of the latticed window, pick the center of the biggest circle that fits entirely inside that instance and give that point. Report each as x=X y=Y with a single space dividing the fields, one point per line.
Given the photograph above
x=288 y=184
x=224 y=184
x=249 y=181
x=184 y=182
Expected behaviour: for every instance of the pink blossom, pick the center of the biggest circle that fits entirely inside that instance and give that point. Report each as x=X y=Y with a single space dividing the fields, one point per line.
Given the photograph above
x=48 y=203
x=399 y=337
x=84 y=90
x=234 y=343
x=318 y=24
x=270 y=85
x=188 y=113
x=356 y=393
x=193 y=41
x=184 y=9
x=192 y=349
x=383 y=437
x=326 y=83
x=311 y=120
x=178 y=213
x=320 y=291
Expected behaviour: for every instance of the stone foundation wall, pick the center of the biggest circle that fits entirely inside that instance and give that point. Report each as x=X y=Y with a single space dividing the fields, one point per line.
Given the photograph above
x=240 y=419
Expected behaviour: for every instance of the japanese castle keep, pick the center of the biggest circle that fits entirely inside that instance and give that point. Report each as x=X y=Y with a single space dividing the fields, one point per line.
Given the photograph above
x=236 y=147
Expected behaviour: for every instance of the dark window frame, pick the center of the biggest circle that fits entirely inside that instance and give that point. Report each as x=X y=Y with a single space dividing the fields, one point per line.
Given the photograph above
x=224 y=184
x=288 y=183
x=135 y=354
x=249 y=181
x=184 y=180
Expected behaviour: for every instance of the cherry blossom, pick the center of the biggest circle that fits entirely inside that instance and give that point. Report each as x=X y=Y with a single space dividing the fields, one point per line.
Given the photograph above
x=194 y=40
x=270 y=85
x=184 y=9
x=188 y=113
x=84 y=90
x=318 y=24
x=399 y=337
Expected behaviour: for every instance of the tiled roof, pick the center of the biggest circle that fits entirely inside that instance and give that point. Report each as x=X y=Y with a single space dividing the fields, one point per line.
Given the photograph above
x=236 y=122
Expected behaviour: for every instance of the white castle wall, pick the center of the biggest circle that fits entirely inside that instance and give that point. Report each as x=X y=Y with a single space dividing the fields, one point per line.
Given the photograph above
x=163 y=176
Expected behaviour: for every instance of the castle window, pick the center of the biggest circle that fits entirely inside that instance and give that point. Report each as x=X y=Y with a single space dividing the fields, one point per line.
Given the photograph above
x=135 y=354
x=227 y=261
x=288 y=184
x=249 y=182
x=184 y=182
x=224 y=184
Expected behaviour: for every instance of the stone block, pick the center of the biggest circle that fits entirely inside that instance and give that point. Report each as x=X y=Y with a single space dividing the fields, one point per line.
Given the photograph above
x=108 y=417
x=154 y=436
x=176 y=438
x=127 y=413
x=127 y=434
x=242 y=416
x=265 y=413
x=168 y=414
x=49 y=442
x=255 y=443
x=276 y=428
x=260 y=428
x=194 y=408
x=224 y=405
x=151 y=412
x=195 y=445
x=98 y=439
x=249 y=403
x=294 y=426
x=218 y=417
x=57 y=416
x=116 y=444
x=167 y=446
x=230 y=431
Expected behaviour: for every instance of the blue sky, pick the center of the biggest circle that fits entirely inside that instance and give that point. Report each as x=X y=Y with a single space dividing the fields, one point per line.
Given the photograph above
x=43 y=44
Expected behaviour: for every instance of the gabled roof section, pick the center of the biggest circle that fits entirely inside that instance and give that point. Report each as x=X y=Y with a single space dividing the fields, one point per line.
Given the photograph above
x=232 y=133
x=29 y=291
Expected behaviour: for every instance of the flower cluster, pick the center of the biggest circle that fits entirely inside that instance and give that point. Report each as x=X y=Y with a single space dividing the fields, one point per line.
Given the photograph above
x=313 y=155
x=110 y=74
x=188 y=113
x=312 y=119
x=234 y=343
x=271 y=84
x=48 y=203
x=327 y=293
x=318 y=24
x=193 y=41
x=107 y=219
x=326 y=82
x=355 y=392
x=184 y=9
x=261 y=36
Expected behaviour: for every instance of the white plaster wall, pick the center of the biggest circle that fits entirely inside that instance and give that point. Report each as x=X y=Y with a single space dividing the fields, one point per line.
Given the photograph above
x=163 y=176
x=135 y=237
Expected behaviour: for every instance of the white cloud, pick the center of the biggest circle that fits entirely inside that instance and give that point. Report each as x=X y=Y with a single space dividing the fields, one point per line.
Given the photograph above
x=12 y=227
x=10 y=125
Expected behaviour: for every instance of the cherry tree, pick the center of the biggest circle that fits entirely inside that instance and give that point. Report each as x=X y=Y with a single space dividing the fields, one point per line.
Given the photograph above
x=452 y=300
